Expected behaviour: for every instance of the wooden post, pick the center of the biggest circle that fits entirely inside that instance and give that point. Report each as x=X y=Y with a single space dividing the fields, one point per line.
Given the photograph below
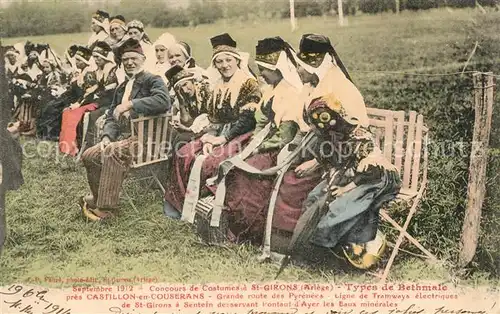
x=341 y=13
x=483 y=98
x=292 y=15
x=397 y=6
x=4 y=118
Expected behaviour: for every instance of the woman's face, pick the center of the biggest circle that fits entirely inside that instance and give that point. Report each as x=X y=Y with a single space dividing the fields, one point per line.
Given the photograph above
x=116 y=31
x=46 y=68
x=135 y=33
x=12 y=58
x=271 y=77
x=80 y=64
x=161 y=53
x=226 y=65
x=99 y=61
x=187 y=88
x=305 y=76
x=176 y=56
x=94 y=27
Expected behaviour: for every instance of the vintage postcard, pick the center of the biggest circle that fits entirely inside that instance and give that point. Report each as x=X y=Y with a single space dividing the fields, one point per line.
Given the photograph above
x=238 y=156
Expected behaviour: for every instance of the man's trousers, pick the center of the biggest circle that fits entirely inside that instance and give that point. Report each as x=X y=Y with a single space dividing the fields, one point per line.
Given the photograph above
x=107 y=169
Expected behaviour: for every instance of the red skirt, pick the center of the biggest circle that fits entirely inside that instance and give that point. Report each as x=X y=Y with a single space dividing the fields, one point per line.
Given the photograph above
x=70 y=120
x=247 y=197
x=183 y=161
x=292 y=194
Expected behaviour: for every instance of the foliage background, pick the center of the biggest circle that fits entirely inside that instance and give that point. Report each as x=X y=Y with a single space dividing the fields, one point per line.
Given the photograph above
x=24 y=17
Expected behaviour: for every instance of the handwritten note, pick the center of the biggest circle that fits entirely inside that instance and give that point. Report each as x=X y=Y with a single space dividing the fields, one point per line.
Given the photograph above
x=19 y=299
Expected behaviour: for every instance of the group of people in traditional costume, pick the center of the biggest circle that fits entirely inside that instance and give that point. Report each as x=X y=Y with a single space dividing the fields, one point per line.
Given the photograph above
x=264 y=152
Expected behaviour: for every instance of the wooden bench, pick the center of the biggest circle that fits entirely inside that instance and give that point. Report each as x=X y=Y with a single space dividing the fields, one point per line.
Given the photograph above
x=403 y=139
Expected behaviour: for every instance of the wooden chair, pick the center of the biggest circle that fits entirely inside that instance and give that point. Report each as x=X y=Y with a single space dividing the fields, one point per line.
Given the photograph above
x=404 y=142
x=154 y=138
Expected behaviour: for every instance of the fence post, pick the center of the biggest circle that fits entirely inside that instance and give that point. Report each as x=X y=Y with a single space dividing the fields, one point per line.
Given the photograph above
x=293 y=21
x=476 y=190
x=4 y=118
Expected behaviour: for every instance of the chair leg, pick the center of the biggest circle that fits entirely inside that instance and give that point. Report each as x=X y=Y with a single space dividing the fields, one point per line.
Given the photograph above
x=414 y=241
x=129 y=199
x=402 y=233
x=157 y=181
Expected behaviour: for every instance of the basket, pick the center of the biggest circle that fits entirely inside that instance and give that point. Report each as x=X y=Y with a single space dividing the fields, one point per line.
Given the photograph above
x=210 y=235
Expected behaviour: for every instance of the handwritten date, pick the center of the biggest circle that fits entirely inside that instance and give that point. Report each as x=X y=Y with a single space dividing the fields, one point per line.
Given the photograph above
x=31 y=301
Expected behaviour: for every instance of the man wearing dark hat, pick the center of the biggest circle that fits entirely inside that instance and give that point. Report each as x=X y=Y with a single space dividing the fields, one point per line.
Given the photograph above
x=11 y=177
x=107 y=163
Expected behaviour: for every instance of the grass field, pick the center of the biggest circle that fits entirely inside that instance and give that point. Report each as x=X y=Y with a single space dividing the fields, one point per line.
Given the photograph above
x=49 y=237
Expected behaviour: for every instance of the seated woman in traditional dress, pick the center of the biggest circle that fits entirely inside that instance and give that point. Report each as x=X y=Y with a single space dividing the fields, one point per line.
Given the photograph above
x=135 y=30
x=12 y=62
x=190 y=117
x=247 y=194
x=95 y=102
x=317 y=65
x=161 y=49
x=117 y=31
x=50 y=82
x=12 y=69
x=358 y=177
x=231 y=113
x=49 y=123
x=99 y=27
x=180 y=53
x=28 y=107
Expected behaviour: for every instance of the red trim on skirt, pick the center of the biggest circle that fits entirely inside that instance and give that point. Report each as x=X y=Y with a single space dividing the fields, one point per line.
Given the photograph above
x=70 y=120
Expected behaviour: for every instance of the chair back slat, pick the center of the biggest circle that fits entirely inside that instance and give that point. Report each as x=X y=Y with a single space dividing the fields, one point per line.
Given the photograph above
x=388 y=136
x=410 y=142
x=151 y=133
x=140 y=139
x=158 y=143
x=149 y=152
x=400 y=129
x=418 y=153
x=402 y=142
x=165 y=137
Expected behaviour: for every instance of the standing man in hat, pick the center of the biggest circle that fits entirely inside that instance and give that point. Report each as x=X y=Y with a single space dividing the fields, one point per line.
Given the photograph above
x=108 y=162
x=11 y=177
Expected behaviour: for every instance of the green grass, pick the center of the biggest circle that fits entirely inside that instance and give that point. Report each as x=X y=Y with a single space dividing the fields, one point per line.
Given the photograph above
x=49 y=237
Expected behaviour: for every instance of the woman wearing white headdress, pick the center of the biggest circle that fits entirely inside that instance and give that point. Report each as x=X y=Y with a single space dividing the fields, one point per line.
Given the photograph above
x=135 y=30
x=161 y=46
x=180 y=53
x=117 y=31
x=97 y=98
x=99 y=27
x=247 y=195
x=231 y=112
